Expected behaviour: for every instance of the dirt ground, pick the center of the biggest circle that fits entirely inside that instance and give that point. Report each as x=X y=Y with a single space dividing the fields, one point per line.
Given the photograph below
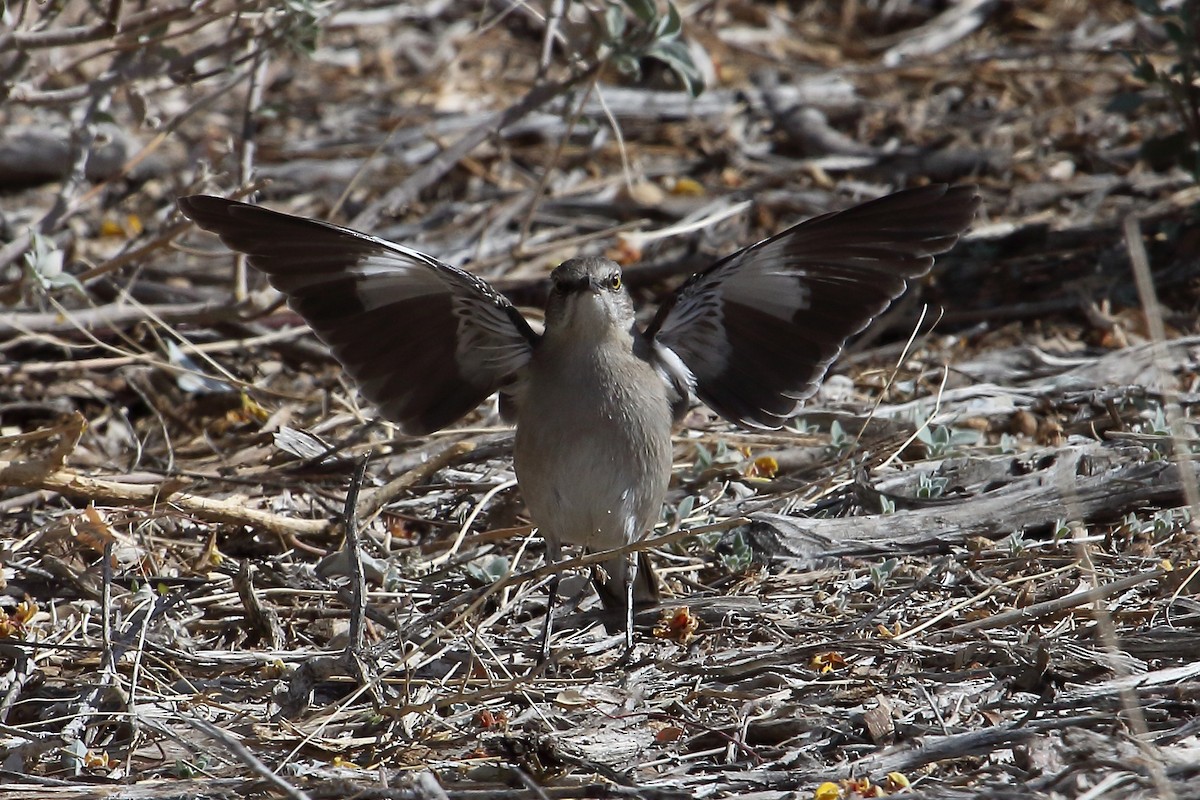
x=968 y=569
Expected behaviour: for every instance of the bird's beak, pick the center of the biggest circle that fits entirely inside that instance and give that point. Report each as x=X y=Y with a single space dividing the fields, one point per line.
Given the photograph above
x=588 y=283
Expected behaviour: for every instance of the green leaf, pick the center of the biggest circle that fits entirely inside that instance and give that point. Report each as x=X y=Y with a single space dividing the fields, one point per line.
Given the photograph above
x=644 y=10
x=675 y=54
x=614 y=22
x=669 y=26
x=488 y=569
x=685 y=508
x=626 y=64
x=738 y=555
x=837 y=434
x=44 y=263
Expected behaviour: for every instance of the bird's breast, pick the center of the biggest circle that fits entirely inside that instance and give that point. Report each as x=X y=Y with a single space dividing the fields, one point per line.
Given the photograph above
x=593 y=443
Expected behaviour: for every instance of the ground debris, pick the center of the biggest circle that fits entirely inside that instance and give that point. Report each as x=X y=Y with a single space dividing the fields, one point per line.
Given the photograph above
x=969 y=567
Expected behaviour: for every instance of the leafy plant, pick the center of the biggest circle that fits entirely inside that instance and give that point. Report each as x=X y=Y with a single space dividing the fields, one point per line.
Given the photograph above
x=304 y=18
x=931 y=486
x=684 y=509
x=881 y=572
x=1157 y=425
x=1181 y=24
x=1161 y=525
x=736 y=554
x=942 y=440
x=804 y=428
x=652 y=33
x=44 y=266
x=721 y=456
x=487 y=569
x=840 y=442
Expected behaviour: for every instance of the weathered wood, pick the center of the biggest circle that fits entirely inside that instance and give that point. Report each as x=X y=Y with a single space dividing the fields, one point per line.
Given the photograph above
x=1029 y=506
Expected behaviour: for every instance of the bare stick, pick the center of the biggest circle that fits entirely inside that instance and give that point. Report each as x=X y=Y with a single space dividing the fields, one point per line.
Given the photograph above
x=246 y=757
x=49 y=473
x=358 y=581
x=377 y=499
x=444 y=162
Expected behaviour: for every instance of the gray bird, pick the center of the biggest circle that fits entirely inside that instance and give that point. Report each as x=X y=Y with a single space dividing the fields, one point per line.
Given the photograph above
x=595 y=397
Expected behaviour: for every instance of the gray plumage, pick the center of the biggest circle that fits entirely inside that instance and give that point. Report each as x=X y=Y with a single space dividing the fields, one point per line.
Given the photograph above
x=595 y=397
x=594 y=418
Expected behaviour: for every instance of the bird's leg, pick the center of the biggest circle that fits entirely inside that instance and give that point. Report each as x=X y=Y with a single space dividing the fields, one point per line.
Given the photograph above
x=630 y=577
x=546 y=626
x=553 y=555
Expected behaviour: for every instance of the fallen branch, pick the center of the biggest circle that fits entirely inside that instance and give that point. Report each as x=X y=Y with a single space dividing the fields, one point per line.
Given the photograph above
x=372 y=502
x=1033 y=503
x=51 y=474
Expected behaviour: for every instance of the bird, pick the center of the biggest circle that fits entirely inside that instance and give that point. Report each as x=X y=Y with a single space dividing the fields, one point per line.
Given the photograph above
x=595 y=396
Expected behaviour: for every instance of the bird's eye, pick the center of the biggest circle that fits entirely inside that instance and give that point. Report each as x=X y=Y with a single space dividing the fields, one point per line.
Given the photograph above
x=614 y=281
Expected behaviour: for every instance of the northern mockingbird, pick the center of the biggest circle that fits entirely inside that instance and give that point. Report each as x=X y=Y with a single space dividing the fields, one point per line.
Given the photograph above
x=595 y=396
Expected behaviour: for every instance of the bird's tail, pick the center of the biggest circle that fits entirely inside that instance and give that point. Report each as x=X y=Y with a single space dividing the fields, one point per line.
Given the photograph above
x=611 y=588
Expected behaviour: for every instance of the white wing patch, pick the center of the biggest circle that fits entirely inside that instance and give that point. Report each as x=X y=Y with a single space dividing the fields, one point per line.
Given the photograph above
x=672 y=369
x=394 y=280
x=777 y=293
x=699 y=317
x=391 y=276
x=487 y=340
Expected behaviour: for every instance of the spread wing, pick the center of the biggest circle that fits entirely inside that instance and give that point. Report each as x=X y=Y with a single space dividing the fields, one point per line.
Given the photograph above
x=425 y=341
x=759 y=329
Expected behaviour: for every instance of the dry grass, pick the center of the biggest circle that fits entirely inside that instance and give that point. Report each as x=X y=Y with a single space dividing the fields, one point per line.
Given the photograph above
x=974 y=567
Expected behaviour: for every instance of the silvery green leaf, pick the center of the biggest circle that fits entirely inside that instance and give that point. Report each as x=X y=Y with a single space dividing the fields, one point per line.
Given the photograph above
x=736 y=555
x=643 y=10
x=670 y=25
x=486 y=570
x=685 y=508
x=675 y=54
x=614 y=22
x=338 y=563
x=44 y=262
x=626 y=64
x=71 y=757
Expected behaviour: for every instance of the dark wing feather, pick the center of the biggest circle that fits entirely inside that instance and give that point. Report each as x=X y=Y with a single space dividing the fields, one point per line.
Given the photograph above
x=759 y=329
x=425 y=341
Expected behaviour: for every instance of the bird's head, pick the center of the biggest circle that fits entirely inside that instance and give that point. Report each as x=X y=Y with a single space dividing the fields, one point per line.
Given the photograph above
x=588 y=296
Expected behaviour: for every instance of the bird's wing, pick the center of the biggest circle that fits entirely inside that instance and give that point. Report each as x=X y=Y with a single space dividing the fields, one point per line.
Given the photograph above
x=425 y=341
x=758 y=330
